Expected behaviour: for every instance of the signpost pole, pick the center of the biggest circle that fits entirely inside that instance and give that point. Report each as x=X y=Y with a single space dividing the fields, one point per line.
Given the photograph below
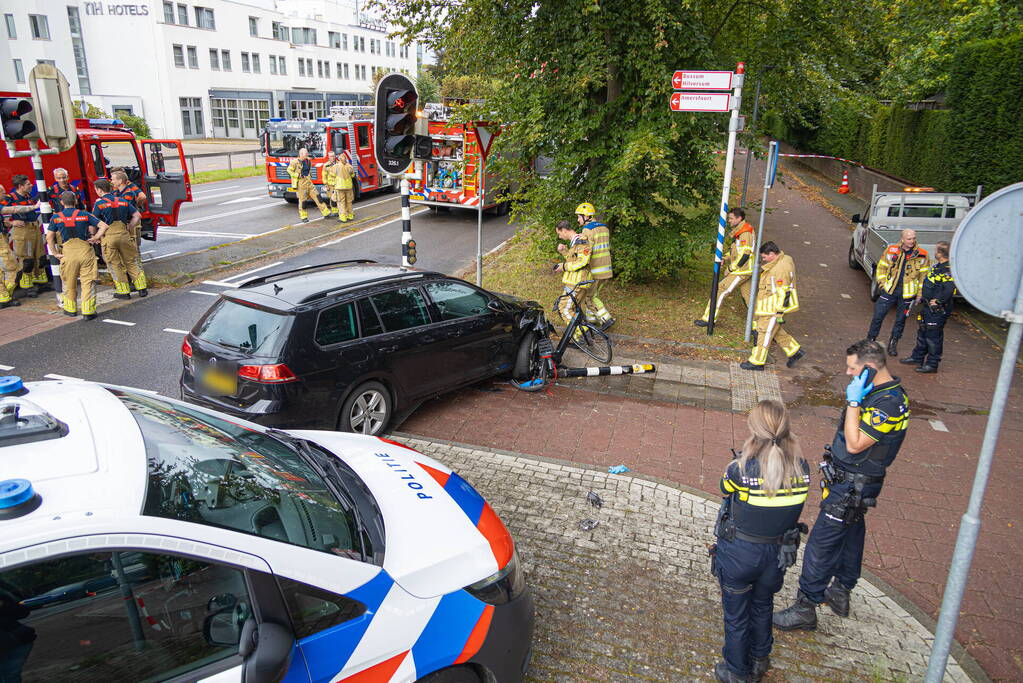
x=769 y=175
x=479 y=223
x=733 y=127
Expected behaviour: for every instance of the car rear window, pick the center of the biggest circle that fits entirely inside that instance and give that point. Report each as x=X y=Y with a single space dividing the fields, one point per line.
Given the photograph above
x=337 y=325
x=401 y=309
x=250 y=329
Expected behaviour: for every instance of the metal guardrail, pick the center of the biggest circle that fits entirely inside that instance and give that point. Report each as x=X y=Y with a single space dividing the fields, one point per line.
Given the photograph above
x=190 y=158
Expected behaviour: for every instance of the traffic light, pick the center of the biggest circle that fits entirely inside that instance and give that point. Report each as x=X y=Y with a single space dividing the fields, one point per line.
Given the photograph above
x=410 y=252
x=18 y=118
x=424 y=148
x=396 y=101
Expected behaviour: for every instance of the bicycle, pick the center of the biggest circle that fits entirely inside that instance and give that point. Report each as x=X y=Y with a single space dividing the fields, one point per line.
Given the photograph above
x=539 y=359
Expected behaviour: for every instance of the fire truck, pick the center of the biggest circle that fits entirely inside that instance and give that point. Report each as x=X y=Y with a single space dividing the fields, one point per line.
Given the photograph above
x=451 y=178
x=156 y=166
x=348 y=131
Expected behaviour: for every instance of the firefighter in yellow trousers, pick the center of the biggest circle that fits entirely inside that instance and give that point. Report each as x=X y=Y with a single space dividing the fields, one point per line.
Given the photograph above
x=599 y=238
x=118 y=243
x=776 y=296
x=337 y=175
x=300 y=169
x=738 y=265
x=575 y=269
x=80 y=230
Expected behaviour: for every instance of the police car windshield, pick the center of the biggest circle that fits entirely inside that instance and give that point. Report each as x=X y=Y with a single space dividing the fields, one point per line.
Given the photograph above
x=254 y=330
x=286 y=143
x=207 y=470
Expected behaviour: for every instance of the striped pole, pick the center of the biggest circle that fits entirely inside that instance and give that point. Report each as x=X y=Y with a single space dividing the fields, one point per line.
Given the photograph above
x=406 y=224
x=609 y=370
x=45 y=211
x=719 y=247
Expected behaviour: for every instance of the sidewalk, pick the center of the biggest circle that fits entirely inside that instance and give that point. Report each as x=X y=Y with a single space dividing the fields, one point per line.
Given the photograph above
x=913 y=529
x=634 y=600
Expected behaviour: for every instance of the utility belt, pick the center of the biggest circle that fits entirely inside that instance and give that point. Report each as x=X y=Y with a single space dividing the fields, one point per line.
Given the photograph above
x=851 y=506
x=726 y=528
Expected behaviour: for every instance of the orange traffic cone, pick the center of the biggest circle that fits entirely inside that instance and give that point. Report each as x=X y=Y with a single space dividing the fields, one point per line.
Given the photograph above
x=844 y=187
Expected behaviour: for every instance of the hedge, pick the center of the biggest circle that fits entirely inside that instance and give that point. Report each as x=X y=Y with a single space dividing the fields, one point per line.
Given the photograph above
x=978 y=140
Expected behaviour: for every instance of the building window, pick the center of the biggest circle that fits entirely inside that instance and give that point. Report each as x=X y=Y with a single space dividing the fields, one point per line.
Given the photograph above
x=346 y=69
x=338 y=68
x=19 y=71
x=215 y=60
x=281 y=31
x=40 y=26
x=225 y=60
x=362 y=43
x=12 y=31
x=319 y=68
x=273 y=64
x=183 y=15
x=303 y=36
x=253 y=26
x=372 y=46
x=306 y=109
x=301 y=67
x=191 y=117
x=204 y=18
x=245 y=62
x=255 y=64
x=168 y=12
x=46 y=61
x=282 y=65
x=344 y=41
x=78 y=47
x=193 y=58
x=179 y=57
x=333 y=39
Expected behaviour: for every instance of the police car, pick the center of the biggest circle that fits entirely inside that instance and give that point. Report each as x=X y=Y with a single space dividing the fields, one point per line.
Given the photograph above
x=145 y=539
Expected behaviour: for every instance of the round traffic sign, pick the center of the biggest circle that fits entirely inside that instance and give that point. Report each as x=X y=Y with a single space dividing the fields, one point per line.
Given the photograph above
x=987 y=261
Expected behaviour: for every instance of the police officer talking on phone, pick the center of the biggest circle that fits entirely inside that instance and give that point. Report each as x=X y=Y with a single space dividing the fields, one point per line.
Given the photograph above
x=870 y=433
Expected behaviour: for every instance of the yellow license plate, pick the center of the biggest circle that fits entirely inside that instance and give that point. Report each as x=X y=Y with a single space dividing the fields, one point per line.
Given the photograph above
x=219 y=382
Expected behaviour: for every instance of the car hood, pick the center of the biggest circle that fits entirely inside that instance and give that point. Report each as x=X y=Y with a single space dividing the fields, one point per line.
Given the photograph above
x=440 y=534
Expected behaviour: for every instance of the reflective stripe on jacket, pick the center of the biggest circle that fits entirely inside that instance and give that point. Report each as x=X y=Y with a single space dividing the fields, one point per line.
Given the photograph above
x=888 y=268
x=776 y=290
x=577 y=262
x=740 y=254
x=599 y=237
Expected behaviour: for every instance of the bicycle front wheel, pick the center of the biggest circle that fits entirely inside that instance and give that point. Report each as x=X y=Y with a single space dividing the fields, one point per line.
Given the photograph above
x=594 y=343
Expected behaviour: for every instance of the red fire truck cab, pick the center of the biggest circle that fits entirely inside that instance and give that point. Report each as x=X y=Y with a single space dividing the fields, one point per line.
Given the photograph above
x=156 y=166
x=348 y=131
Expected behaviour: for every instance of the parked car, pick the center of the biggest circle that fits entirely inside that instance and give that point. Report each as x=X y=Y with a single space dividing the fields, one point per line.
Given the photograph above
x=348 y=345
x=146 y=539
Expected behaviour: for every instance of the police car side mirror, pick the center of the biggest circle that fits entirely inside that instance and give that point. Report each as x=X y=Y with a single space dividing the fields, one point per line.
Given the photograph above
x=269 y=655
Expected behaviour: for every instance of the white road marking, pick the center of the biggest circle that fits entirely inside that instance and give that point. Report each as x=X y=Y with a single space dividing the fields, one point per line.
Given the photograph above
x=214 y=189
x=204 y=233
x=846 y=296
x=118 y=322
x=364 y=231
x=6 y=368
x=242 y=199
x=214 y=217
x=250 y=272
x=198 y=291
x=228 y=194
x=938 y=426
x=171 y=329
x=157 y=258
x=63 y=377
x=823 y=265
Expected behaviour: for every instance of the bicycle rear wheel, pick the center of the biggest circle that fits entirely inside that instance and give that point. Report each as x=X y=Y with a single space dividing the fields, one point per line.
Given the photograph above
x=594 y=343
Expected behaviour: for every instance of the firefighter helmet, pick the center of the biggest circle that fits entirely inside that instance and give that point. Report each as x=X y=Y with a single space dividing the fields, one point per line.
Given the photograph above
x=585 y=209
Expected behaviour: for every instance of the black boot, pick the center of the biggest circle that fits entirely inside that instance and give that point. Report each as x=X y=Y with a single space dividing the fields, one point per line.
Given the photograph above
x=869 y=338
x=893 y=346
x=909 y=361
x=794 y=358
x=759 y=668
x=926 y=369
x=802 y=614
x=746 y=365
x=837 y=597
x=725 y=675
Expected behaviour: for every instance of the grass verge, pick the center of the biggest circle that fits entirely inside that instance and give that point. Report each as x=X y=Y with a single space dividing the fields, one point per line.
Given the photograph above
x=213 y=176
x=661 y=310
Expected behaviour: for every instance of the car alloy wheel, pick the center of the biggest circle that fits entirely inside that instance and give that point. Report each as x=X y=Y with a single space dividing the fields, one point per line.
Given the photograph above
x=367 y=410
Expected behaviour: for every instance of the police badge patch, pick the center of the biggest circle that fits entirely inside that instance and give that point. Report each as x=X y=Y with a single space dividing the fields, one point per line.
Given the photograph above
x=878 y=417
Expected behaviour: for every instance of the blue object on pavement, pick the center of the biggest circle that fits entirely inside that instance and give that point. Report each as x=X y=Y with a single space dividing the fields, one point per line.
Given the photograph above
x=617 y=469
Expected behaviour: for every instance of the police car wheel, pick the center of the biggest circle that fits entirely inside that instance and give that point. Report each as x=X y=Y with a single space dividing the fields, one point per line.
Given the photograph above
x=367 y=410
x=853 y=263
x=455 y=674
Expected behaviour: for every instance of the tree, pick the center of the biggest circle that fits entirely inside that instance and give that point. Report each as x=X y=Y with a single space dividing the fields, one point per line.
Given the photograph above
x=429 y=89
x=136 y=123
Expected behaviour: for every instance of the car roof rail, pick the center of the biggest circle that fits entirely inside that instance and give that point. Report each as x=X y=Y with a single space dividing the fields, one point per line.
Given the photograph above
x=362 y=283
x=273 y=276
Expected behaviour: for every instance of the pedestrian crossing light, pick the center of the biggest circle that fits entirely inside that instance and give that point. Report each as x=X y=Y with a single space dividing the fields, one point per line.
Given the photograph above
x=396 y=107
x=18 y=118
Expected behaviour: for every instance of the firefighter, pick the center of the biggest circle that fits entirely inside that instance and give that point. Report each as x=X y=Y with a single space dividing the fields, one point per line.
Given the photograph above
x=126 y=189
x=80 y=230
x=26 y=235
x=575 y=269
x=869 y=435
x=599 y=238
x=738 y=265
x=343 y=188
x=8 y=263
x=119 y=250
x=776 y=296
x=62 y=184
x=300 y=169
x=757 y=532
x=328 y=181
x=900 y=276
x=938 y=292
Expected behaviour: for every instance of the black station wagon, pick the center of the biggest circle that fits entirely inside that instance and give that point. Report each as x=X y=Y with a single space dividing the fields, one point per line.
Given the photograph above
x=347 y=345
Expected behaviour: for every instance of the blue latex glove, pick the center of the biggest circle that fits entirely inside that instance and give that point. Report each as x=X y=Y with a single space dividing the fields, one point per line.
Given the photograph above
x=858 y=387
x=617 y=469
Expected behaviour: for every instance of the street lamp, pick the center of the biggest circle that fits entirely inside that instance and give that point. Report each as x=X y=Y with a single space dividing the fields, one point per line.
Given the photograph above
x=752 y=127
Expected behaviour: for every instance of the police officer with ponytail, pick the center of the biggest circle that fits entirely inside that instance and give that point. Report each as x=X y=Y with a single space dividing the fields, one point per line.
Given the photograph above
x=757 y=531
x=869 y=436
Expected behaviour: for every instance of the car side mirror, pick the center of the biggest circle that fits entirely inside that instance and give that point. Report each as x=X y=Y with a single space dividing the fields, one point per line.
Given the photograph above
x=268 y=653
x=856 y=218
x=496 y=306
x=221 y=628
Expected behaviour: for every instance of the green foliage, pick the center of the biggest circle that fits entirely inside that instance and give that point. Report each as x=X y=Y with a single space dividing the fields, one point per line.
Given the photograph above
x=137 y=124
x=91 y=111
x=428 y=87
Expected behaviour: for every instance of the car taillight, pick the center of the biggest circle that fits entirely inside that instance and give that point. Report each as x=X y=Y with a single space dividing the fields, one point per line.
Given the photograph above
x=267 y=374
x=186 y=348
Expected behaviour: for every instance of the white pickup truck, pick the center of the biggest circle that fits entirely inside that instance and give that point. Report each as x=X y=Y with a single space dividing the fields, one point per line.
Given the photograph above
x=933 y=215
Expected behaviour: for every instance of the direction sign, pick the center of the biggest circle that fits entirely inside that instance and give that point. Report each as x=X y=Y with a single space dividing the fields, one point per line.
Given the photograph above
x=702 y=80
x=697 y=101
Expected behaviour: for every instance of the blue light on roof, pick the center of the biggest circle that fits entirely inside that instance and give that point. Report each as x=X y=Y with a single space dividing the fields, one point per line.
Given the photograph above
x=325 y=118
x=14 y=492
x=10 y=384
x=106 y=122
x=277 y=119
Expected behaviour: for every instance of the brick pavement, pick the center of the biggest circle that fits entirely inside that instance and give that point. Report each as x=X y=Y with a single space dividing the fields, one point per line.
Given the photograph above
x=912 y=531
x=633 y=599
